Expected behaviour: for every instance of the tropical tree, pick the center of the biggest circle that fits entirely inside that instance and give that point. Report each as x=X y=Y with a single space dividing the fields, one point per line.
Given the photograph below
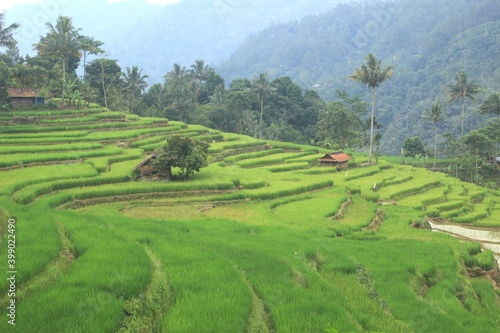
x=183 y=152
x=178 y=88
x=156 y=97
x=103 y=74
x=479 y=147
x=434 y=114
x=4 y=81
x=91 y=46
x=6 y=34
x=135 y=84
x=460 y=89
x=340 y=125
x=62 y=42
x=413 y=146
x=262 y=86
x=199 y=72
x=217 y=99
x=372 y=74
x=491 y=105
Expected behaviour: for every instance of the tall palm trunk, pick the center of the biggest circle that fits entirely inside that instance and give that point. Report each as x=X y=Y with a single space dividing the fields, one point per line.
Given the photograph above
x=371 y=126
x=64 y=78
x=261 y=112
x=463 y=115
x=435 y=145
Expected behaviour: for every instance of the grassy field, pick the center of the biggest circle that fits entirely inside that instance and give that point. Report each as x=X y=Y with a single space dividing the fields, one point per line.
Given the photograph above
x=262 y=240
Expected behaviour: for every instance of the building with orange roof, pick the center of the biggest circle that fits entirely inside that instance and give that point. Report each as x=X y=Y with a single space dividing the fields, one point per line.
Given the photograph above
x=337 y=160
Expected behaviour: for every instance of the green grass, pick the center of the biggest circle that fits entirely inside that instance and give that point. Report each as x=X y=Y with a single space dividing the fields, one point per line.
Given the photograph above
x=25 y=158
x=248 y=244
x=49 y=148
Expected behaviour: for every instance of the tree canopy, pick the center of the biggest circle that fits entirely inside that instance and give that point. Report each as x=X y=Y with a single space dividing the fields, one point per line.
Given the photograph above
x=183 y=152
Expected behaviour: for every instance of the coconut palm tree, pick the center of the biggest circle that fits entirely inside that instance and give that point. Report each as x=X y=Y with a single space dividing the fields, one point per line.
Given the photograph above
x=262 y=86
x=135 y=84
x=434 y=114
x=61 y=42
x=460 y=89
x=372 y=74
x=6 y=38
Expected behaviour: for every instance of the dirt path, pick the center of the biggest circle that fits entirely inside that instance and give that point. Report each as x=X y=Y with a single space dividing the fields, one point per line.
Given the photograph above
x=488 y=237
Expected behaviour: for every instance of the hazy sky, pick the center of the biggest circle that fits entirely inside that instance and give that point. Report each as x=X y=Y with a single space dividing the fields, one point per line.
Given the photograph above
x=6 y=4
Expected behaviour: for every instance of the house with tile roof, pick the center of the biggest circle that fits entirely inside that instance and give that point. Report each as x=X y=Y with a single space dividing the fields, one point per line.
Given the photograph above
x=23 y=97
x=337 y=160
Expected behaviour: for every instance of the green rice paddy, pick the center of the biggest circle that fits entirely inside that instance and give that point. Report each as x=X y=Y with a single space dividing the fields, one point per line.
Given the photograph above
x=261 y=240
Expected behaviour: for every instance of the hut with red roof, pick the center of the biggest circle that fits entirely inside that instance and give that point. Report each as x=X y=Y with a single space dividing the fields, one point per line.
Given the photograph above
x=337 y=160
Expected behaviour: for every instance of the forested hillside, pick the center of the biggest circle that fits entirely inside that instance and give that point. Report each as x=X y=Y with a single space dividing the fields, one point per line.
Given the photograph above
x=426 y=41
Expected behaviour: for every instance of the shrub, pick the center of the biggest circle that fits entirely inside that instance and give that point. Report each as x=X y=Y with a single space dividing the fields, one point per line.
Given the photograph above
x=484 y=260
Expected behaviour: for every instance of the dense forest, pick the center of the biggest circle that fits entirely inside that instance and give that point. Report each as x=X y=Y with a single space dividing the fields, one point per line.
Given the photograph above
x=427 y=42
x=297 y=81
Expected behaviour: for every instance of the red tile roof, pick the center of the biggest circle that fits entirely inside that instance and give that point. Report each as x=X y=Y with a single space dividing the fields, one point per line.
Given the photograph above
x=336 y=157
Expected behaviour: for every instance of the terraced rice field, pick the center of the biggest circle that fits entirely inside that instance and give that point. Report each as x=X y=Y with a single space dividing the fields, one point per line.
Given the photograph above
x=262 y=240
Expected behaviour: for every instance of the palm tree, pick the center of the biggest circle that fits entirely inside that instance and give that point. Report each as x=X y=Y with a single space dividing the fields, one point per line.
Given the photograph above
x=491 y=105
x=460 y=89
x=434 y=114
x=135 y=84
x=199 y=70
x=262 y=86
x=217 y=99
x=177 y=75
x=177 y=86
x=372 y=74
x=6 y=38
x=61 y=42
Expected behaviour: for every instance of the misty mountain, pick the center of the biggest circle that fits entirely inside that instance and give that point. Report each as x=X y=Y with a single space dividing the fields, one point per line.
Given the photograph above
x=97 y=18
x=426 y=41
x=209 y=30
x=155 y=37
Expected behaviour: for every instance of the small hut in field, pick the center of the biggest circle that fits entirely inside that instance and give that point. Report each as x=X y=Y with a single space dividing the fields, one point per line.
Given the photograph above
x=22 y=97
x=148 y=169
x=337 y=160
